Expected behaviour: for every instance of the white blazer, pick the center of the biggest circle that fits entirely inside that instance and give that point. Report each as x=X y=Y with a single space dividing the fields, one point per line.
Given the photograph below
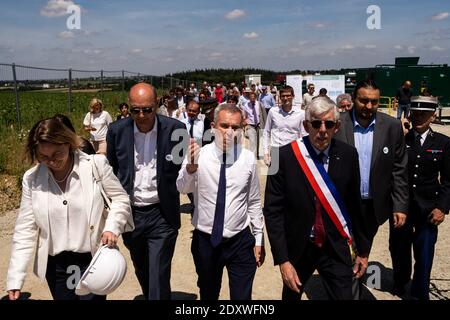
x=32 y=226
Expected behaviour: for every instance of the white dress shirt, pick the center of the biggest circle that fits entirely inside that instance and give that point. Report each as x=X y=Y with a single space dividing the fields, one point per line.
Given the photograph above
x=145 y=190
x=283 y=127
x=181 y=103
x=242 y=201
x=69 y=228
x=423 y=136
x=199 y=127
x=307 y=98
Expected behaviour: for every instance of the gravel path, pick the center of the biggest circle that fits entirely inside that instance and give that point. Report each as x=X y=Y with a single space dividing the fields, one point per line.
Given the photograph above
x=267 y=283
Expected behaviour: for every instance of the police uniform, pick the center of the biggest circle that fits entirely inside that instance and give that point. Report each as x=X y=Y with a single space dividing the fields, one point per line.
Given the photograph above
x=429 y=188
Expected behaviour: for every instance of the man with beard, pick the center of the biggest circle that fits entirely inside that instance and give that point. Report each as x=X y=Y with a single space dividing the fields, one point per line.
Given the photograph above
x=382 y=162
x=223 y=177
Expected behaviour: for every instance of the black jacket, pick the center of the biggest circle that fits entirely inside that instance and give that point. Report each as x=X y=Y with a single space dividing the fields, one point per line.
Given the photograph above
x=388 y=170
x=120 y=153
x=289 y=206
x=429 y=172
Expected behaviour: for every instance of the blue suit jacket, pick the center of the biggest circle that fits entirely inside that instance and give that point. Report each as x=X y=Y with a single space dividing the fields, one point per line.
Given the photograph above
x=120 y=153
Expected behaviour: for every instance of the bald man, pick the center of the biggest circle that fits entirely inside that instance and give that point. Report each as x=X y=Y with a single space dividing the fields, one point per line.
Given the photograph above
x=140 y=152
x=403 y=99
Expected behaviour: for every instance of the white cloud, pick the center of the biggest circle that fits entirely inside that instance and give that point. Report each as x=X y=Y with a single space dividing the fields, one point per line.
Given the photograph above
x=348 y=47
x=437 y=48
x=440 y=16
x=66 y=35
x=398 y=47
x=250 y=35
x=319 y=25
x=4 y=48
x=215 y=55
x=235 y=14
x=168 y=59
x=411 y=49
x=370 y=46
x=56 y=8
x=136 y=50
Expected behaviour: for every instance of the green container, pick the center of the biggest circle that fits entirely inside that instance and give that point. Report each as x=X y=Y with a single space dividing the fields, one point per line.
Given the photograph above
x=436 y=78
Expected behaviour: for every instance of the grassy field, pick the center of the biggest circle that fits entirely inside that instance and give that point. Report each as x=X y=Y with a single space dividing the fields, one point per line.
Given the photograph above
x=35 y=106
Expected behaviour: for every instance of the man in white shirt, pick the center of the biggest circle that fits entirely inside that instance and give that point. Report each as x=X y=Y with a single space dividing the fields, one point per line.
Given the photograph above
x=195 y=125
x=283 y=124
x=255 y=119
x=194 y=121
x=308 y=96
x=224 y=179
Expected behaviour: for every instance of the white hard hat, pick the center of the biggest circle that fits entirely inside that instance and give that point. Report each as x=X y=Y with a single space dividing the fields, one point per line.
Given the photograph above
x=104 y=274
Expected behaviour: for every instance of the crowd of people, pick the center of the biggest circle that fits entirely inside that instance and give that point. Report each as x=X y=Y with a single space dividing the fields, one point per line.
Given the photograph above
x=338 y=170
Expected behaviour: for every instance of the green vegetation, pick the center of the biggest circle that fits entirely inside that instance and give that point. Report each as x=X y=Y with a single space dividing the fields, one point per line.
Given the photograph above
x=34 y=106
x=227 y=76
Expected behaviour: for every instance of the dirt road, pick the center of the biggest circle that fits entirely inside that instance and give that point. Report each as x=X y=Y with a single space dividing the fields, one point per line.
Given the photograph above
x=267 y=283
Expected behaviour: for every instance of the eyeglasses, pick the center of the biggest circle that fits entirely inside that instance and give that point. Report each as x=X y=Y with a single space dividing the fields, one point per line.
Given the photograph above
x=145 y=110
x=316 y=124
x=374 y=102
x=59 y=155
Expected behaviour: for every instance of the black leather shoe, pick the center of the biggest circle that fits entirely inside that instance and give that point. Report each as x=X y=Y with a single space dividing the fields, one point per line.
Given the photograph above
x=398 y=290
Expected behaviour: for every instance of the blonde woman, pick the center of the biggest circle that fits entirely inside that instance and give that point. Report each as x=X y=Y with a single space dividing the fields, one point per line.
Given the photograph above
x=61 y=216
x=96 y=122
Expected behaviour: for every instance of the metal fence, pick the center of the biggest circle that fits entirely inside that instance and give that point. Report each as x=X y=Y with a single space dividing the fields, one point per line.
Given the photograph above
x=18 y=80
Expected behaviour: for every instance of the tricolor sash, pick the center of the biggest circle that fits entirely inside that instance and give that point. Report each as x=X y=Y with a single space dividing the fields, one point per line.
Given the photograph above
x=323 y=186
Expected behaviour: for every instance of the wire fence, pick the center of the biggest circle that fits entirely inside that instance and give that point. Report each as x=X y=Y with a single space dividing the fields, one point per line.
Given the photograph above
x=28 y=93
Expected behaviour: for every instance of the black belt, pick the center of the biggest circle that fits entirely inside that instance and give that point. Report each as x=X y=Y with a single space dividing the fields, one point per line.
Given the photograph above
x=146 y=208
x=224 y=240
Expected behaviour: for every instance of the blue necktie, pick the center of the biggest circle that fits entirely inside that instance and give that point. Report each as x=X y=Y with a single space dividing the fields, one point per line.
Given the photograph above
x=219 y=215
x=191 y=128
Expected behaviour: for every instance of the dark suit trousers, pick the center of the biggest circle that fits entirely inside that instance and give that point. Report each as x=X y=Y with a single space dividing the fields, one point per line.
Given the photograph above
x=235 y=253
x=335 y=274
x=421 y=235
x=151 y=246
x=62 y=278
x=371 y=225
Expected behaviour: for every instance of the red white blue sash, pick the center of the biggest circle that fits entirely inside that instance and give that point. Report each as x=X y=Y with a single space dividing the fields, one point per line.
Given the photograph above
x=323 y=186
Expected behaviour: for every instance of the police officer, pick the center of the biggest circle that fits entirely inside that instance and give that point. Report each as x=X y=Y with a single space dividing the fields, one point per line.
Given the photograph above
x=429 y=194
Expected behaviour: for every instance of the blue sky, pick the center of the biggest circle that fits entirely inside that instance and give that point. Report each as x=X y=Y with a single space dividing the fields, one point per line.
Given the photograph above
x=159 y=37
